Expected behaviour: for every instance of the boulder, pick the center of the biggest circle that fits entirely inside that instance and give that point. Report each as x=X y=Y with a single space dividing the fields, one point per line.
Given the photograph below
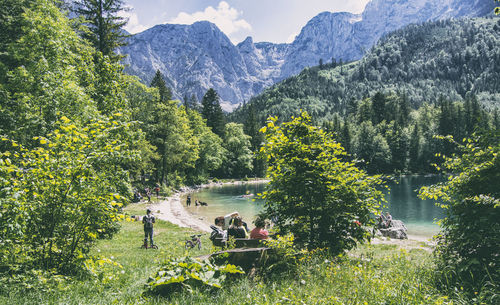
x=397 y=230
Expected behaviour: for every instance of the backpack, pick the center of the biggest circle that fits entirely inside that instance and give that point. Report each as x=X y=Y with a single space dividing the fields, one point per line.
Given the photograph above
x=148 y=221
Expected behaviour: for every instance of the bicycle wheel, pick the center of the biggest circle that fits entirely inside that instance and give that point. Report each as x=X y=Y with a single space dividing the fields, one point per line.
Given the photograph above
x=188 y=244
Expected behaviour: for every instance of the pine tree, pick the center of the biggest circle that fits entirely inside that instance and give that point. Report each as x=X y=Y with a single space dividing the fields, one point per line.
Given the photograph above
x=251 y=128
x=212 y=112
x=105 y=26
x=346 y=137
x=378 y=106
x=414 y=151
x=164 y=91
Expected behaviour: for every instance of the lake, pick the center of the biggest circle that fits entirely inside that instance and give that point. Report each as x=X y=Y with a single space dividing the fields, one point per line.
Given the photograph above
x=402 y=203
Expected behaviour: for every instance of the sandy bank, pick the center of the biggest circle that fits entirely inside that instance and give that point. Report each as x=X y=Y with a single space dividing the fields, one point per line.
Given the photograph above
x=172 y=210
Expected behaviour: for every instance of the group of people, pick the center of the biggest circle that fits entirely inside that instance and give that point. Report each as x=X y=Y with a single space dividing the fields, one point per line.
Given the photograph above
x=147 y=192
x=237 y=228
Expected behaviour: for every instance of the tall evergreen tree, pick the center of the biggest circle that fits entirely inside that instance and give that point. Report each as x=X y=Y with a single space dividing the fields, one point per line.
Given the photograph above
x=378 y=106
x=212 y=112
x=105 y=25
x=163 y=90
x=346 y=137
x=414 y=150
x=251 y=128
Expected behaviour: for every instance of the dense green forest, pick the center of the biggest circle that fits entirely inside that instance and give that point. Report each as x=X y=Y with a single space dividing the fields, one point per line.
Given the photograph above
x=438 y=78
x=452 y=58
x=77 y=134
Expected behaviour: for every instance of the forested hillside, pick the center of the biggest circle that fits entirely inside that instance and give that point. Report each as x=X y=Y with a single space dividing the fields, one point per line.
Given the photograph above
x=451 y=58
x=435 y=79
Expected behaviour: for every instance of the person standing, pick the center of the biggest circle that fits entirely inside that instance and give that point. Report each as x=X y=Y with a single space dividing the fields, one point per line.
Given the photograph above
x=147 y=190
x=157 y=190
x=148 y=222
x=188 y=200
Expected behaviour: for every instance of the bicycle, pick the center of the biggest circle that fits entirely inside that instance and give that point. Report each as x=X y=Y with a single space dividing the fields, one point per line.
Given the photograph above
x=193 y=242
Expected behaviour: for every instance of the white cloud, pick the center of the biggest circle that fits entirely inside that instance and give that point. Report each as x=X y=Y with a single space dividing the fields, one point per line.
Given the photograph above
x=227 y=18
x=133 y=26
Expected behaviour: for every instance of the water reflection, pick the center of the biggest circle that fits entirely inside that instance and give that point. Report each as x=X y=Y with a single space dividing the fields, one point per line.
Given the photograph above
x=402 y=203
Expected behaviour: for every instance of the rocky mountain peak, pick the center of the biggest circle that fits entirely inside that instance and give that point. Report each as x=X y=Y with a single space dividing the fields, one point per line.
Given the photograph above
x=194 y=58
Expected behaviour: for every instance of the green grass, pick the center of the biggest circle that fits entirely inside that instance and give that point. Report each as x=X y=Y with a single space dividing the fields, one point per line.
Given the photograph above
x=371 y=274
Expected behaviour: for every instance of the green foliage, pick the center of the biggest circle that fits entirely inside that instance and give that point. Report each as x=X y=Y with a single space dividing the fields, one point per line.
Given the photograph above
x=177 y=148
x=159 y=83
x=453 y=58
x=238 y=159
x=397 y=85
x=212 y=112
x=60 y=197
x=211 y=151
x=283 y=258
x=467 y=252
x=313 y=192
x=188 y=273
x=45 y=71
x=104 y=25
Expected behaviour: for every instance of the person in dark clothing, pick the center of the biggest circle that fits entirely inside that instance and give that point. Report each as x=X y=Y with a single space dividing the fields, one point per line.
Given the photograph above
x=147 y=191
x=237 y=230
x=188 y=200
x=148 y=222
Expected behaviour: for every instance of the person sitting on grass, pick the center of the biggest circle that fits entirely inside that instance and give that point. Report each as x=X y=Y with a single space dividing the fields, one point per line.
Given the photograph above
x=259 y=232
x=148 y=222
x=237 y=230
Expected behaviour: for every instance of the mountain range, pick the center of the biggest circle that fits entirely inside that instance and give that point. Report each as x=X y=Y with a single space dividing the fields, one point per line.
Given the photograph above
x=194 y=58
x=451 y=60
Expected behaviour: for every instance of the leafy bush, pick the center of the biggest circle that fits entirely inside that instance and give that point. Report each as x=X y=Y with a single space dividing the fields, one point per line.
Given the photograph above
x=59 y=198
x=313 y=193
x=188 y=273
x=468 y=248
x=283 y=255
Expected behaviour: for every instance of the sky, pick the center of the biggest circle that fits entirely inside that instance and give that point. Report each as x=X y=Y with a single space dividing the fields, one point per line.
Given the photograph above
x=265 y=20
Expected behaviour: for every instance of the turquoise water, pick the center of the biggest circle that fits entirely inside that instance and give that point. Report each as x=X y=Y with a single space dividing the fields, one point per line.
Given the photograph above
x=402 y=203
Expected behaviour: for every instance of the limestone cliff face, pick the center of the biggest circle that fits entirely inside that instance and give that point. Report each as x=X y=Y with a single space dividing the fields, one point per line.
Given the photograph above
x=194 y=58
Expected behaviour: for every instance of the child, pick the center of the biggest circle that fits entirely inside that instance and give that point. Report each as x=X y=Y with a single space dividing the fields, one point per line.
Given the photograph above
x=148 y=222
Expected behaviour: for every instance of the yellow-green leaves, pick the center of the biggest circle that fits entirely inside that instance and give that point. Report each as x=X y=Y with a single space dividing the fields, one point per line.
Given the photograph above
x=70 y=191
x=313 y=193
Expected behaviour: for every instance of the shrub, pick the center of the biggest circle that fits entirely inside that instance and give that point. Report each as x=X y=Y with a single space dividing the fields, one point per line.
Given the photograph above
x=188 y=273
x=468 y=248
x=313 y=192
x=59 y=198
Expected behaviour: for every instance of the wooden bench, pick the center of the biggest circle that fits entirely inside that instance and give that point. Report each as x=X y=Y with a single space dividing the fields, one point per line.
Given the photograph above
x=239 y=243
x=246 y=258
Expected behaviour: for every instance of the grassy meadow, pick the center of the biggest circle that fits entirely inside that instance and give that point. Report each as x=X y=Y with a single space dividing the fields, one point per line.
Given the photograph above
x=371 y=274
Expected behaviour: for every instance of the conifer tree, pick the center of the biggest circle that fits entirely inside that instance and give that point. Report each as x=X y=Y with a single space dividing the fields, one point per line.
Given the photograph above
x=414 y=151
x=163 y=90
x=105 y=26
x=212 y=112
x=346 y=137
x=378 y=106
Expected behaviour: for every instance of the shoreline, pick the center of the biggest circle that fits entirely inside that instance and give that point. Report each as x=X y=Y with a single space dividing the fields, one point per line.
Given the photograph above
x=171 y=209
